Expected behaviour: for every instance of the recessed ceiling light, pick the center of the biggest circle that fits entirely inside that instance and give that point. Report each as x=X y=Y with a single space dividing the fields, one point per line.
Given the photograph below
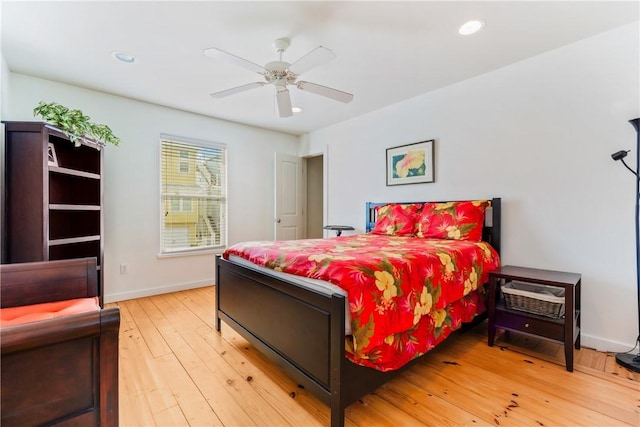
x=124 y=57
x=296 y=109
x=471 y=27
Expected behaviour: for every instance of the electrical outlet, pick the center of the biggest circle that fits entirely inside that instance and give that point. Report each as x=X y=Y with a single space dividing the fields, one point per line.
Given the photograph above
x=124 y=268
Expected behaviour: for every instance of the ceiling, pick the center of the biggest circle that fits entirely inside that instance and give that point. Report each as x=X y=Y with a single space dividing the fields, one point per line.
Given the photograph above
x=386 y=52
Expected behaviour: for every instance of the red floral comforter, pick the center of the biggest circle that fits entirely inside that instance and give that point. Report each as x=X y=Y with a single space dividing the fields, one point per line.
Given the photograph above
x=405 y=294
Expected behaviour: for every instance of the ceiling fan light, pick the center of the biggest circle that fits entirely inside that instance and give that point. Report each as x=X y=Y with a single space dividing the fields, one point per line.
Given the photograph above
x=471 y=27
x=283 y=101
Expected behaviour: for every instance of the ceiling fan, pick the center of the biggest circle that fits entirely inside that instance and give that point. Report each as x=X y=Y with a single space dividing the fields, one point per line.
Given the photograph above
x=281 y=74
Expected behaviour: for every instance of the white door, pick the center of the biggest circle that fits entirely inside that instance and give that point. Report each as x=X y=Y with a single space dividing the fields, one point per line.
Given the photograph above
x=289 y=197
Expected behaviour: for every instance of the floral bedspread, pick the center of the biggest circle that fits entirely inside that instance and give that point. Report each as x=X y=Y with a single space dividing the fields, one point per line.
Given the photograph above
x=405 y=294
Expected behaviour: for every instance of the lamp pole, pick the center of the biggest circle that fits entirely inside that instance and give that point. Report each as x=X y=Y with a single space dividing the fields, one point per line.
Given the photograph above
x=629 y=360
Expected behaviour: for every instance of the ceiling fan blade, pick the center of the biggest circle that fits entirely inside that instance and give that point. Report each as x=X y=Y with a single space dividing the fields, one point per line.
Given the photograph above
x=336 y=94
x=214 y=52
x=237 y=89
x=317 y=56
x=284 y=102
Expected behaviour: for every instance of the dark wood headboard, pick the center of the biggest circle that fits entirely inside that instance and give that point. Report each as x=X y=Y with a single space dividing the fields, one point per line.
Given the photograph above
x=490 y=231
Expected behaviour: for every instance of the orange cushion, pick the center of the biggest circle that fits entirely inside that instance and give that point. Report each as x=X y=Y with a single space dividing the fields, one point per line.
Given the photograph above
x=31 y=313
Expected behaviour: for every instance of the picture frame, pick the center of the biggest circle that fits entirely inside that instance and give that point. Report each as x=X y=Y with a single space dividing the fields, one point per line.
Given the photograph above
x=411 y=163
x=51 y=153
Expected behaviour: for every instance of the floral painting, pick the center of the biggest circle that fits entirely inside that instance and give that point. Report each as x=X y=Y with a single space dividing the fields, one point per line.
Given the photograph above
x=410 y=164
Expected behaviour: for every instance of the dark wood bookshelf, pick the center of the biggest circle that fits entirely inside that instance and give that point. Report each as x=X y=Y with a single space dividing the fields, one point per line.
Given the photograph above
x=52 y=212
x=66 y=171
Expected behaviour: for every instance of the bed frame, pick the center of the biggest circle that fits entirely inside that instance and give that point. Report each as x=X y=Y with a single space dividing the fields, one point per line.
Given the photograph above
x=306 y=338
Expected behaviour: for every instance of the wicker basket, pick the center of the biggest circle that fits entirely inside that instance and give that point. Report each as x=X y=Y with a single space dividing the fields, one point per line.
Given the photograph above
x=533 y=298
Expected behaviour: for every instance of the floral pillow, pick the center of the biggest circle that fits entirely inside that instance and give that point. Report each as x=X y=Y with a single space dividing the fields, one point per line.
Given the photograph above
x=452 y=220
x=396 y=219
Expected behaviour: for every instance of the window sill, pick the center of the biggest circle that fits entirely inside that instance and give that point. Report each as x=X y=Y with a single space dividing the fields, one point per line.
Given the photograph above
x=216 y=251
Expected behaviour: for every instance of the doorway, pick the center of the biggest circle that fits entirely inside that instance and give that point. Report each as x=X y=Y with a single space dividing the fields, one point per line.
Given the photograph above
x=314 y=204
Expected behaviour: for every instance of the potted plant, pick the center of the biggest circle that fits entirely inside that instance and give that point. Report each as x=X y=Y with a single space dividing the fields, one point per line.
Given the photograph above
x=74 y=123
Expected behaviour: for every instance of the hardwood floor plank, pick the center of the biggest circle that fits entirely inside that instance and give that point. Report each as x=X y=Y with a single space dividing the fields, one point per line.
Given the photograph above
x=584 y=387
x=134 y=410
x=258 y=375
x=307 y=409
x=175 y=369
x=193 y=404
x=150 y=334
x=171 y=417
x=425 y=406
x=294 y=402
x=487 y=401
x=201 y=302
x=591 y=358
x=609 y=370
x=235 y=385
x=226 y=409
x=371 y=410
x=146 y=371
x=538 y=384
x=309 y=403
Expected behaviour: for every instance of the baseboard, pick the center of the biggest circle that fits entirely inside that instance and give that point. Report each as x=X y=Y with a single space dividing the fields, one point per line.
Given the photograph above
x=141 y=293
x=601 y=344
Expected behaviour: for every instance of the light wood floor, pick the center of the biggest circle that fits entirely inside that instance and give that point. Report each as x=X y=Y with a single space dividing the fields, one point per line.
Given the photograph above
x=175 y=370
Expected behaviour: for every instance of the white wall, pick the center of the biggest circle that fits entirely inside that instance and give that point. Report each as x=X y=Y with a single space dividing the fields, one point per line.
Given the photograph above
x=4 y=77
x=4 y=85
x=539 y=134
x=132 y=182
x=4 y=100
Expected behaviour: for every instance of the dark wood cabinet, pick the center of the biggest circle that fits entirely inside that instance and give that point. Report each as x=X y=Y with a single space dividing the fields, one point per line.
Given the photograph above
x=52 y=212
x=565 y=329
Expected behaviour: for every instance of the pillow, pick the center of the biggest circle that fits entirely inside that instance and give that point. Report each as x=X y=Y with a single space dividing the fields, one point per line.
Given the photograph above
x=50 y=310
x=452 y=220
x=396 y=219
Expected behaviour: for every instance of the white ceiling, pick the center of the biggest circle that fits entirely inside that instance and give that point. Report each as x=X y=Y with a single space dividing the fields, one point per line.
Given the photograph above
x=386 y=52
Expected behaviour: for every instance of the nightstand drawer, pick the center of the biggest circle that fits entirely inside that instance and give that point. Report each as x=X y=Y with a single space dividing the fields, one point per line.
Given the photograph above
x=527 y=323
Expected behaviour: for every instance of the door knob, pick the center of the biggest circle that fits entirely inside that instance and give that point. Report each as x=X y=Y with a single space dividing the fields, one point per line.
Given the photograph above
x=278 y=220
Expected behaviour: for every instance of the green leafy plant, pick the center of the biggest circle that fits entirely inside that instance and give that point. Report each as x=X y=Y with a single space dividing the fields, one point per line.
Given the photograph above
x=74 y=123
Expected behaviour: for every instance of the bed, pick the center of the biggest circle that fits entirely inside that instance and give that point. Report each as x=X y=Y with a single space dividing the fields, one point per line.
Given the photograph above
x=309 y=338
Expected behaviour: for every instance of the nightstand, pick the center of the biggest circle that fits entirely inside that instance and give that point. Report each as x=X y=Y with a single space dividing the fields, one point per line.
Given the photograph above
x=338 y=228
x=565 y=330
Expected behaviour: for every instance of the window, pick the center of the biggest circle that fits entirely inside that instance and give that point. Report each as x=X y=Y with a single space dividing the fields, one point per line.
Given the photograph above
x=193 y=195
x=184 y=164
x=179 y=204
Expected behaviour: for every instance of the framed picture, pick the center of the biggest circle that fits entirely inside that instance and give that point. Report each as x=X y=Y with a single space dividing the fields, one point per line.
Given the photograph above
x=410 y=164
x=53 y=159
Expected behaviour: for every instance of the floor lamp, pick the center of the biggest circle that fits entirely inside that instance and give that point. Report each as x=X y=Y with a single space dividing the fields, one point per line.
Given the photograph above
x=629 y=360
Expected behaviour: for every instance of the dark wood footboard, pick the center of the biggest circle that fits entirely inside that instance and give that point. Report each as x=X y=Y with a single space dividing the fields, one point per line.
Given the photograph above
x=300 y=330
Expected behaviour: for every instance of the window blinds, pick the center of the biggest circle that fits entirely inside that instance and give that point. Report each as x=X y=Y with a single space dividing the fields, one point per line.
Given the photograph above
x=193 y=195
